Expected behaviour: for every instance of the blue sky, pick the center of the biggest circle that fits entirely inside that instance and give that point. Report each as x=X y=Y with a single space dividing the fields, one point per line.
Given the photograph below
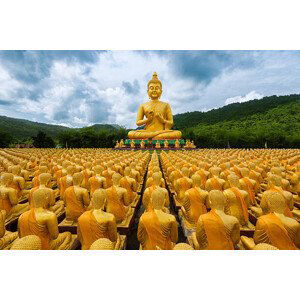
x=80 y=88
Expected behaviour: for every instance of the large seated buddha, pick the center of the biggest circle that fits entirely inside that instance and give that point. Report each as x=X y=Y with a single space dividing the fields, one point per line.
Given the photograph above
x=159 y=119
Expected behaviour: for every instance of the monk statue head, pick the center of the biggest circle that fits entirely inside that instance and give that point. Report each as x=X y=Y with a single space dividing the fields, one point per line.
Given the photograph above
x=29 y=242
x=183 y=246
x=276 y=202
x=154 y=87
x=196 y=180
x=88 y=165
x=116 y=178
x=40 y=197
x=215 y=171
x=127 y=171
x=233 y=180
x=45 y=178
x=245 y=172
x=274 y=180
x=16 y=170
x=6 y=178
x=217 y=200
x=102 y=244
x=158 y=199
x=77 y=178
x=185 y=171
x=264 y=246
x=71 y=170
x=65 y=164
x=99 y=199
x=157 y=176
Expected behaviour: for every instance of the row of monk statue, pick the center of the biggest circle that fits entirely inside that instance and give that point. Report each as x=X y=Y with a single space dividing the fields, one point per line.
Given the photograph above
x=222 y=199
x=144 y=144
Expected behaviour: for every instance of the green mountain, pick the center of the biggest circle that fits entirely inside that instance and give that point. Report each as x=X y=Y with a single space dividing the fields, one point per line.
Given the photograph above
x=273 y=121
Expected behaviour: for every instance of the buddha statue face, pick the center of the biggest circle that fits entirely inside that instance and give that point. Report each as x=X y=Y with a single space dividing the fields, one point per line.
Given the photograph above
x=154 y=87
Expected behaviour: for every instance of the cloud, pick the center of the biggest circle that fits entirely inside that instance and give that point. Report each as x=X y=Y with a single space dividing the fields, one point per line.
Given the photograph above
x=80 y=88
x=239 y=99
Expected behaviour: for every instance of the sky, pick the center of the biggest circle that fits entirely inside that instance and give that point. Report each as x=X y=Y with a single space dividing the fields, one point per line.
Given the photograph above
x=81 y=88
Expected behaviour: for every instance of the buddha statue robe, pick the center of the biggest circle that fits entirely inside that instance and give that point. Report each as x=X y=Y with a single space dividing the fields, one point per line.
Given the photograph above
x=74 y=206
x=194 y=204
x=97 y=182
x=181 y=186
x=154 y=232
x=249 y=187
x=131 y=186
x=212 y=230
x=237 y=205
x=271 y=230
x=90 y=230
x=28 y=225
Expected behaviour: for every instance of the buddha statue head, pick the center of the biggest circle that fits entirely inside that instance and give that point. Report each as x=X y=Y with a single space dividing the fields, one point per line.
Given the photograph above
x=77 y=178
x=16 y=170
x=158 y=199
x=183 y=246
x=98 y=170
x=102 y=244
x=40 y=197
x=217 y=200
x=44 y=178
x=276 y=202
x=29 y=242
x=127 y=171
x=154 y=87
x=185 y=172
x=99 y=199
x=157 y=176
x=233 y=180
x=274 y=180
x=196 y=180
x=116 y=178
x=244 y=172
x=6 y=178
x=71 y=170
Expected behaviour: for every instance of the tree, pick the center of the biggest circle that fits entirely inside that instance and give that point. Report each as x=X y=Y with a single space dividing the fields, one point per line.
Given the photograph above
x=5 y=139
x=41 y=140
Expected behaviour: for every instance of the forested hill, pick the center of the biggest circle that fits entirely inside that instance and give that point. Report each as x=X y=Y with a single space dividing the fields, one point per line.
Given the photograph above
x=23 y=129
x=234 y=111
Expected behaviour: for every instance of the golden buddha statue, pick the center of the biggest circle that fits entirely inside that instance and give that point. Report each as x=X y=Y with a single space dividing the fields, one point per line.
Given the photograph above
x=117 y=144
x=57 y=207
x=87 y=174
x=159 y=119
x=275 y=228
x=157 y=230
x=177 y=144
x=132 y=144
x=43 y=223
x=216 y=230
x=157 y=145
x=166 y=144
x=182 y=184
x=6 y=237
x=97 y=181
x=96 y=223
x=18 y=182
x=77 y=199
x=9 y=198
x=195 y=202
x=29 y=242
x=142 y=145
x=130 y=184
x=118 y=201
x=66 y=181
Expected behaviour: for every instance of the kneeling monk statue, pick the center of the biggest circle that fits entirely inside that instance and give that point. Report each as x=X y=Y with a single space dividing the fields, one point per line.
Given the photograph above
x=159 y=119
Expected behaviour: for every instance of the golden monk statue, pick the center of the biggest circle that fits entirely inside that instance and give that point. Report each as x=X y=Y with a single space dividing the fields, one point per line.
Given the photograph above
x=157 y=230
x=130 y=184
x=97 y=181
x=96 y=223
x=217 y=230
x=9 y=198
x=77 y=199
x=275 y=228
x=159 y=119
x=43 y=223
x=6 y=238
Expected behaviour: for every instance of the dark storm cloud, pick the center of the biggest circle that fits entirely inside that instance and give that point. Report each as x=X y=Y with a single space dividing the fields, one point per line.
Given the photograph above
x=32 y=66
x=204 y=66
x=131 y=88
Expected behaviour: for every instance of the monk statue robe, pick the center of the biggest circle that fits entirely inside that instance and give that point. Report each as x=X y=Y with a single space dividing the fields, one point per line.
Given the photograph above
x=249 y=185
x=195 y=202
x=56 y=207
x=215 y=229
x=35 y=180
x=118 y=202
x=108 y=173
x=130 y=184
x=6 y=237
x=237 y=202
x=182 y=184
x=43 y=223
x=24 y=173
x=9 y=198
x=203 y=175
x=29 y=242
x=159 y=118
x=156 y=186
x=76 y=198
x=61 y=172
x=157 y=230
x=135 y=174
x=87 y=174
x=295 y=183
x=66 y=181
x=97 y=181
x=275 y=228
x=31 y=165
x=96 y=223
